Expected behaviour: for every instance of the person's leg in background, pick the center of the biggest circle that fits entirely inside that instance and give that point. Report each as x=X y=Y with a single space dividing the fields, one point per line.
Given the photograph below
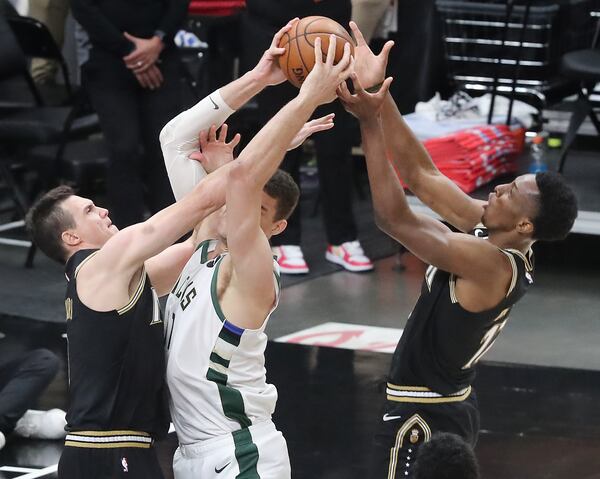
x=115 y=96
x=22 y=380
x=53 y=14
x=334 y=156
x=157 y=107
x=367 y=14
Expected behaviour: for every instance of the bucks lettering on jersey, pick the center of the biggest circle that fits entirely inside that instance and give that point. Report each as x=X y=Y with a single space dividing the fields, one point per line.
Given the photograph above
x=442 y=342
x=215 y=370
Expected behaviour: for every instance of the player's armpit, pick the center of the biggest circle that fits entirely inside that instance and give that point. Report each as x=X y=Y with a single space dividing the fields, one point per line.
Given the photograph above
x=164 y=268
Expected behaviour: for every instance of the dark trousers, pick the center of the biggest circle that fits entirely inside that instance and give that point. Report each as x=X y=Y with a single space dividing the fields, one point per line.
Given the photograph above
x=22 y=380
x=333 y=147
x=403 y=427
x=123 y=462
x=131 y=118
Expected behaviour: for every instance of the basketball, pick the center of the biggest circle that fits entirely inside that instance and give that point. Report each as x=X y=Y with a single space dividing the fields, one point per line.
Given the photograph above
x=299 y=43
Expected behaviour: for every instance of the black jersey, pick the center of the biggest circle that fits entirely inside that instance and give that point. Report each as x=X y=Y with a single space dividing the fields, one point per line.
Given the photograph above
x=116 y=361
x=442 y=342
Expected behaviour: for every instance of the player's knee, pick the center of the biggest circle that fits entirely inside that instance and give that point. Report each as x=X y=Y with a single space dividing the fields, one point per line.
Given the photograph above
x=43 y=361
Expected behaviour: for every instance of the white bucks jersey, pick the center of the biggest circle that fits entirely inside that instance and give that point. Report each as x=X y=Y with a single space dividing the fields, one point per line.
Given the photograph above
x=215 y=370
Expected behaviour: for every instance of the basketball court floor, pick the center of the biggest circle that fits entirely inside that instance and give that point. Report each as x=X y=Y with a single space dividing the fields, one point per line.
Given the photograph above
x=331 y=337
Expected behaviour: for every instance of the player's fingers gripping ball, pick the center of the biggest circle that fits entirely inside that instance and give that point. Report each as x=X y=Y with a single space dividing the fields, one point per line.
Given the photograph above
x=299 y=43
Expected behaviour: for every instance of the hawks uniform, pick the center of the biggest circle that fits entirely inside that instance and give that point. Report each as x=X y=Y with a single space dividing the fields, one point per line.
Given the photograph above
x=117 y=394
x=221 y=404
x=433 y=367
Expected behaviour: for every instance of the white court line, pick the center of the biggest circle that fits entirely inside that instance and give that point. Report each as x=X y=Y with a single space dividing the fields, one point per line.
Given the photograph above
x=39 y=473
x=17 y=469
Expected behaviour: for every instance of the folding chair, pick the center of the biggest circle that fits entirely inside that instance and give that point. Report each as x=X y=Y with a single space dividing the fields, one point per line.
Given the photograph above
x=583 y=66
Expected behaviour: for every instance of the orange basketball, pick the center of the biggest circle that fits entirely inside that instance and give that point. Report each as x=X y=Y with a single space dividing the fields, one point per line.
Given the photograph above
x=299 y=43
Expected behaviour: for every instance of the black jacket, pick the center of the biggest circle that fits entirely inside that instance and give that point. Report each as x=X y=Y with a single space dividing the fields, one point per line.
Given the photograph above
x=105 y=21
x=278 y=12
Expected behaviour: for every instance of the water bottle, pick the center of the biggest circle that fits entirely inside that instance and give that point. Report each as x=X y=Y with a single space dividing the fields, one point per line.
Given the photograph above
x=538 y=154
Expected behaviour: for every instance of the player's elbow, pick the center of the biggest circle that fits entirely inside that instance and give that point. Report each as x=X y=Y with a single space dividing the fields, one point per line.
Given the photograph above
x=383 y=221
x=240 y=175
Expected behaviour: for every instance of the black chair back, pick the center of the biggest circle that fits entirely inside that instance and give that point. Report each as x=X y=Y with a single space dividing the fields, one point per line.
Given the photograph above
x=14 y=72
x=36 y=42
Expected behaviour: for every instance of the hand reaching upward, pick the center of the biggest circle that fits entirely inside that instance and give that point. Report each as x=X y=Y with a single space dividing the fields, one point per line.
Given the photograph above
x=215 y=152
x=321 y=83
x=267 y=69
x=361 y=104
x=311 y=127
x=369 y=67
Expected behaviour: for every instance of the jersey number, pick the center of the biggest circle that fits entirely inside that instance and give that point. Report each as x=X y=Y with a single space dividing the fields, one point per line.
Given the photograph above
x=489 y=338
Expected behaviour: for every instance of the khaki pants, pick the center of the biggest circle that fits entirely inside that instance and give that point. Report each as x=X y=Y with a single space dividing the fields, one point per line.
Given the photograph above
x=367 y=13
x=53 y=14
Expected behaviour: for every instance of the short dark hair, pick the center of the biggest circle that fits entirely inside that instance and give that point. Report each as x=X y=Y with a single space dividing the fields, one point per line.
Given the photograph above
x=446 y=456
x=46 y=221
x=557 y=207
x=284 y=189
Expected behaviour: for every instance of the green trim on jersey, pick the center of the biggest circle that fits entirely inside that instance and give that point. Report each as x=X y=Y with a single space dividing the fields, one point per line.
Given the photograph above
x=229 y=337
x=213 y=293
x=216 y=376
x=215 y=358
x=205 y=246
x=246 y=454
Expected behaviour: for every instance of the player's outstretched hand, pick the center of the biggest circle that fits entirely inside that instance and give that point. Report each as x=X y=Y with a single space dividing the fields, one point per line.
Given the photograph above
x=311 y=127
x=215 y=151
x=369 y=67
x=321 y=83
x=267 y=69
x=362 y=104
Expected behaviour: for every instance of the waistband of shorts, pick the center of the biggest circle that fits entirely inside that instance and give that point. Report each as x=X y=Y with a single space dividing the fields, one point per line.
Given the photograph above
x=239 y=437
x=108 y=439
x=423 y=395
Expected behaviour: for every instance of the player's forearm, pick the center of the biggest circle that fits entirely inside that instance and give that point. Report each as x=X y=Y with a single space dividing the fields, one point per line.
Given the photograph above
x=170 y=224
x=239 y=92
x=179 y=138
x=389 y=201
x=261 y=158
x=407 y=153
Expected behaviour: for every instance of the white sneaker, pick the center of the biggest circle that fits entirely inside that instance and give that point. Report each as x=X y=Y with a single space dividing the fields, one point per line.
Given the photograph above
x=2 y=440
x=42 y=424
x=290 y=259
x=349 y=255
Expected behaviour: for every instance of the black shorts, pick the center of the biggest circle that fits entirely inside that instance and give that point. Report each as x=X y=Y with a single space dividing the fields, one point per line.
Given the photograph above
x=105 y=460
x=403 y=426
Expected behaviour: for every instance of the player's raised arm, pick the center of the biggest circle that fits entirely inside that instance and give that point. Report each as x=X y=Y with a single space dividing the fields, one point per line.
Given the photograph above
x=127 y=250
x=247 y=242
x=407 y=154
x=427 y=238
x=179 y=137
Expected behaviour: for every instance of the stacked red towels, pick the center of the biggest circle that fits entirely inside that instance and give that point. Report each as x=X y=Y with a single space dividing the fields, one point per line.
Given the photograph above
x=475 y=156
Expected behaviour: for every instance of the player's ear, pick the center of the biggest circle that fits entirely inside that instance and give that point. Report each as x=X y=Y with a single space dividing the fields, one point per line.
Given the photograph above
x=70 y=238
x=525 y=227
x=279 y=227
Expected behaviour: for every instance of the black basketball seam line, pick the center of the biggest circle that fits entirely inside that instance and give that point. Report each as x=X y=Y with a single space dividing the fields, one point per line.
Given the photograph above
x=287 y=59
x=321 y=33
x=324 y=33
x=300 y=55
